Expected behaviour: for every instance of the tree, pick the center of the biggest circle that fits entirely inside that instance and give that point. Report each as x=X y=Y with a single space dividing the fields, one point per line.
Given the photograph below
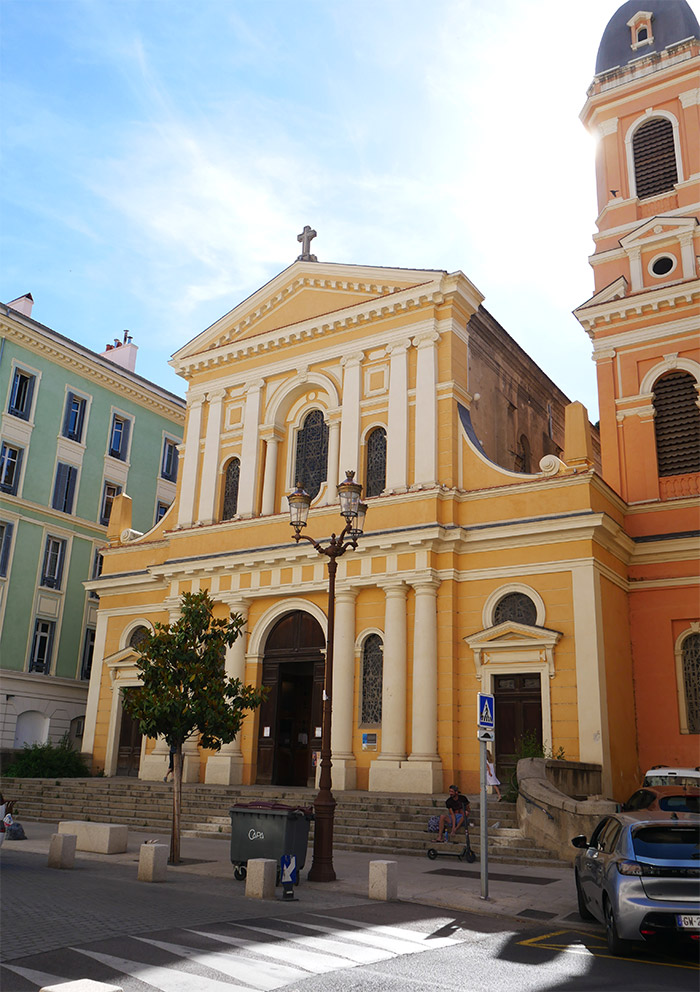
x=186 y=690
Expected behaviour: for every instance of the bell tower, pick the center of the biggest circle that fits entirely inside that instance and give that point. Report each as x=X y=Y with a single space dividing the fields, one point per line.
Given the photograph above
x=643 y=107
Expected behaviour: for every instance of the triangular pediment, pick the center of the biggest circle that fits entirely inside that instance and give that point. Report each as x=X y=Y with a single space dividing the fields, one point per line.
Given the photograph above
x=616 y=290
x=510 y=631
x=305 y=291
x=658 y=229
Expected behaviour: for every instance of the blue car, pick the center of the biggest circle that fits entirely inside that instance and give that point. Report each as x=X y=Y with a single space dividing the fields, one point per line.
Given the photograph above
x=639 y=875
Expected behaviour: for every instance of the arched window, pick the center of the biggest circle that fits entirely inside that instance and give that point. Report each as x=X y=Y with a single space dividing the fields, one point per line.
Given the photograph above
x=376 y=462
x=515 y=606
x=691 y=681
x=233 y=472
x=138 y=636
x=654 y=154
x=311 y=466
x=372 y=666
x=677 y=424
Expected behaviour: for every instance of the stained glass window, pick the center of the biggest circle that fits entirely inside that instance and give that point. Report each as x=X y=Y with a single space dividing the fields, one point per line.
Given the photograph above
x=376 y=462
x=372 y=665
x=311 y=467
x=233 y=472
x=138 y=636
x=515 y=606
x=691 y=681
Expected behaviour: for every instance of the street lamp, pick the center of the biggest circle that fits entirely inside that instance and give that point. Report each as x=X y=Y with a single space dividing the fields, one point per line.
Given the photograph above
x=353 y=511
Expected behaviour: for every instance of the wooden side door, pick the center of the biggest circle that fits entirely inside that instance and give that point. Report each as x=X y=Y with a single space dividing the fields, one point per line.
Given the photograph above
x=518 y=702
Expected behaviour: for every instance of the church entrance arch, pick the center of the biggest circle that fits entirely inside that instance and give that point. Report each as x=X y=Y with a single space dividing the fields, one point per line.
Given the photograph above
x=289 y=740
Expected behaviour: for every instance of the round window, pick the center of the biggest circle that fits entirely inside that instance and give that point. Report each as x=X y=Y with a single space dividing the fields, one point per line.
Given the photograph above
x=662 y=265
x=515 y=606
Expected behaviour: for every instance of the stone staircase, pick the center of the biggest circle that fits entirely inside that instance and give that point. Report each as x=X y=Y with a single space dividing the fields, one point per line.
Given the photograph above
x=370 y=822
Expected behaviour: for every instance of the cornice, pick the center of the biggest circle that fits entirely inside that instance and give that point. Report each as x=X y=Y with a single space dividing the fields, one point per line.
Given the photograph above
x=646 y=302
x=625 y=339
x=112 y=378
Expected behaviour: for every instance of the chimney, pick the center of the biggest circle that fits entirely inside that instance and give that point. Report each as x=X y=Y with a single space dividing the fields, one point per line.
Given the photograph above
x=122 y=352
x=23 y=304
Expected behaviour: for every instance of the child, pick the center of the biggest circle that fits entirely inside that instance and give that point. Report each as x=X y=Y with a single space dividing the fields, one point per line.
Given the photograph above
x=491 y=775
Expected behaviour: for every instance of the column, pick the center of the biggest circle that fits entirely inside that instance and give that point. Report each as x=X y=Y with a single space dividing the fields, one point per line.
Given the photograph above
x=425 y=473
x=343 y=701
x=426 y=767
x=190 y=463
x=384 y=772
x=397 y=419
x=272 y=437
x=350 y=422
x=226 y=766
x=250 y=451
x=210 y=462
x=333 y=451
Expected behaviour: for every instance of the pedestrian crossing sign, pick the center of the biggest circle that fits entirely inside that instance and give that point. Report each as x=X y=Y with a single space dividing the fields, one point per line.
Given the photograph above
x=486 y=711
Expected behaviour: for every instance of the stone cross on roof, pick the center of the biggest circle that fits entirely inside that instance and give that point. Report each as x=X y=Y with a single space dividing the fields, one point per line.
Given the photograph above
x=306 y=237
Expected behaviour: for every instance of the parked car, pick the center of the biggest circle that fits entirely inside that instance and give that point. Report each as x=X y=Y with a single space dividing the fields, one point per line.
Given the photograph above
x=667 y=775
x=639 y=875
x=667 y=798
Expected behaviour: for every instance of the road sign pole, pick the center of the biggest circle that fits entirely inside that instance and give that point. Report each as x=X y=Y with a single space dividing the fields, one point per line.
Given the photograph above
x=483 y=832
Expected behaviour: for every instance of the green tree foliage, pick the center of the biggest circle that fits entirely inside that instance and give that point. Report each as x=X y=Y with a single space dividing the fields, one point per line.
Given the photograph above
x=48 y=761
x=185 y=689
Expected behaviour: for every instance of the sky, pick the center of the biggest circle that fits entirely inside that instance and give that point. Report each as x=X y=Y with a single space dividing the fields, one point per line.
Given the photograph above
x=159 y=158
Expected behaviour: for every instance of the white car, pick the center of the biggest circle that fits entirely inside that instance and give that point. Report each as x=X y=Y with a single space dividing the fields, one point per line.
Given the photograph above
x=665 y=775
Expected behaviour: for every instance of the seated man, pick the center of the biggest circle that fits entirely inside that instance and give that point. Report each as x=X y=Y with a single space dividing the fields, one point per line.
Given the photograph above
x=457 y=813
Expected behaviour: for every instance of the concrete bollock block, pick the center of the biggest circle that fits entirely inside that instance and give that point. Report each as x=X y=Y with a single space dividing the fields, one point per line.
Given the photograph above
x=62 y=850
x=100 y=838
x=153 y=862
x=82 y=985
x=261 y=878
x=383 y=880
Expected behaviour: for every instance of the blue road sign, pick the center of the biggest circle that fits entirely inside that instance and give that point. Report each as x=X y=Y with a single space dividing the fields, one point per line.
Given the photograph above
x=288 y=866
x=486 y=711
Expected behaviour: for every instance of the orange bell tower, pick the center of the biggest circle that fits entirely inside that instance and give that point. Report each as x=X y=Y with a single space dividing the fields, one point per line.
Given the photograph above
x=643 y=106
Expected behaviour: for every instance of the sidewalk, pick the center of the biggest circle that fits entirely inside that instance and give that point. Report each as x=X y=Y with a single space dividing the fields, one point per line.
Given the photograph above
x=104 y=887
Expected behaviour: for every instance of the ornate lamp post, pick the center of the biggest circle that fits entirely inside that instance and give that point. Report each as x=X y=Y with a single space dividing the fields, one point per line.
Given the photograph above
x=354 y=511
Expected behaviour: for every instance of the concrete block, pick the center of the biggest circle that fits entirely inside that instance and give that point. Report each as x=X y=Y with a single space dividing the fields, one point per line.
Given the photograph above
x=383 y=880
x=260 y=879
x=153 y=862
x=82 y=985
x=101 y=838
x=62 y=850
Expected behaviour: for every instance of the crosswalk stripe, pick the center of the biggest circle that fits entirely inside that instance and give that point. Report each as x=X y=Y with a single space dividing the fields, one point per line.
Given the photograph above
x=319 y=964
x=396 y=945
x=263 y=975
x=412 y=936
x=360 y=955
x=163 y=979
x=40 y=978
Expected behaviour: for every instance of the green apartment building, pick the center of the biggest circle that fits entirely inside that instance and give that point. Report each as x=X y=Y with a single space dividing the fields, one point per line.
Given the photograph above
x=76 y=429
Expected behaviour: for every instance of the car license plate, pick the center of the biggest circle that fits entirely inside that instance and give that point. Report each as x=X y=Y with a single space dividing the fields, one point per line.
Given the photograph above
x=688 y=922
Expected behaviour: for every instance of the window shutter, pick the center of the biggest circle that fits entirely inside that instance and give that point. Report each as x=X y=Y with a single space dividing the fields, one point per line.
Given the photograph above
x=18 y=471
x=125 y=440
x=677 y=424
x=29 y=397
x=70 y=488
x=176 y=456
x=654 y=157
x=59 y=564
x=66 y=416
x=5 y=549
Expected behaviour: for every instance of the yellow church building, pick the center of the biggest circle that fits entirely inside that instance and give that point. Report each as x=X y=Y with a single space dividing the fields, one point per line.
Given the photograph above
x=471 y=575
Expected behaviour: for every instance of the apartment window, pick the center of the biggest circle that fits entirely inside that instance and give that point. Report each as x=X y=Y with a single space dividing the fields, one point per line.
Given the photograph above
x=119 y=437
x=74 y=417
x=54 y=556
x=6 y=530
x=109 y=493
x=161 y=510
x=42 y=646
x=168 y=468
x=96 y=571
x=88 y=651
x=10 y=467
x=21 y=395
x=64 y=488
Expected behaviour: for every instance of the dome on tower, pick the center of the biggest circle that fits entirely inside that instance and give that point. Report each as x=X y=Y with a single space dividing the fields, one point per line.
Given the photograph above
x=631 y=33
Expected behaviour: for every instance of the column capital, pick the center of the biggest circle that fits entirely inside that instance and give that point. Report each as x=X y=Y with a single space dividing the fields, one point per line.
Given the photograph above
x=196 y=402
x=216 y=394
x=346 y=594
x=425 y=339
x=429 y=584
x=235 y=602
x=255 y=386
x=398 y=347
x=352 y=361
x=394 y=590
x=271 y=432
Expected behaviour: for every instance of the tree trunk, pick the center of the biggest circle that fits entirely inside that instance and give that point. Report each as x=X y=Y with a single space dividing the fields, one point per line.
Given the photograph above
x=177 y=803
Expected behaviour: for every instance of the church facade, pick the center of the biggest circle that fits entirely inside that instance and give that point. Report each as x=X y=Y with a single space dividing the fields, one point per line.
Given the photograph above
x=497 y=555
